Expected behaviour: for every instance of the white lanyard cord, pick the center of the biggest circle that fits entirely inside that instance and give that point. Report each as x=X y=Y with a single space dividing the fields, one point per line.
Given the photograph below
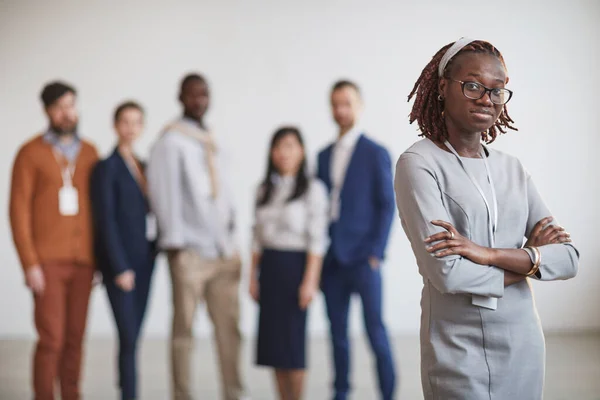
x=492 y=217
x=67 y=172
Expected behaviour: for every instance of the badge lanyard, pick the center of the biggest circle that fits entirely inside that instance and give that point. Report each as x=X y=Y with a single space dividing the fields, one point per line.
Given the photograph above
x=68 y=198
x=67 y=172
x=487 y=302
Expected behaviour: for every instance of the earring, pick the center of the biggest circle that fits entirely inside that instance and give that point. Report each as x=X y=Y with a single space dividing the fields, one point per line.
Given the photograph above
x=440 y=98
x=442 y=114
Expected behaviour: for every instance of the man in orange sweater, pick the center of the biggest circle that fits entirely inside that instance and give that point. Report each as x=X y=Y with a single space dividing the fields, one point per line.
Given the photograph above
x=51 y=225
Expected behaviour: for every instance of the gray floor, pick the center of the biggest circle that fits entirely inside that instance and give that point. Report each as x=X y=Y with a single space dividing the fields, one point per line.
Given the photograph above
x=573 y=370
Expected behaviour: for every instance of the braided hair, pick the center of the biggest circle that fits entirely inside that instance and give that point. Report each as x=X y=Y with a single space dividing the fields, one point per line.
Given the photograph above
x=428 y=109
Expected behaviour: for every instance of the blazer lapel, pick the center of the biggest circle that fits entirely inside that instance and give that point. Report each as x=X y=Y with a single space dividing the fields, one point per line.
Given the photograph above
x=127 y=173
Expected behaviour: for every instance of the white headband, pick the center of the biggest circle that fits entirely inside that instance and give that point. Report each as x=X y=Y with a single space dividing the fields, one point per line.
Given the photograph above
x=451 y=52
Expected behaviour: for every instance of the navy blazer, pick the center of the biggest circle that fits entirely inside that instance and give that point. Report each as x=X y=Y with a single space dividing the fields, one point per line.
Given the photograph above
x=367 y=203
x=119 y=209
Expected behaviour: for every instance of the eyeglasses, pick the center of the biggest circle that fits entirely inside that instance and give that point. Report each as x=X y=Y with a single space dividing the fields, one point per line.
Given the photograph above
x=475 y=91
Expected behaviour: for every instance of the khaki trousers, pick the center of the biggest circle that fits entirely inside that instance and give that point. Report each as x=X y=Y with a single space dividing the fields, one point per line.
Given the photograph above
x=196 y=280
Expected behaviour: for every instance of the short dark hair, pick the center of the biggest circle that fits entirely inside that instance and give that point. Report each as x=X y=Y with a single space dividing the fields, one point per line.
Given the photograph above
x=54 y=91
x=127 y=106
x=344 y=83
x=194 y=77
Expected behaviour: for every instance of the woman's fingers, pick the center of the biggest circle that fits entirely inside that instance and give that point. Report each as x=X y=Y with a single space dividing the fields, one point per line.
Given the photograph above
x=551 y=229
x=448 y=252
x=561 y=240
x=305 y=300
x=452 y=232
x=439 y=236
x=446 y=244
x=560 y=237
x=540 y=225
x=446 y=225
x=552 y=234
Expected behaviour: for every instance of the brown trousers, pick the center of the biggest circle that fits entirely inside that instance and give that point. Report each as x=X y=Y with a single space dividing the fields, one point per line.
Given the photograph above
x=60 y=320
x=195 y=280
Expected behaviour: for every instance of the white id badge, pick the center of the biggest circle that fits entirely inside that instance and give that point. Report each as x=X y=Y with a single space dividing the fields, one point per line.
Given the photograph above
x=490 y=303
x=68 y=201
x=151 y=227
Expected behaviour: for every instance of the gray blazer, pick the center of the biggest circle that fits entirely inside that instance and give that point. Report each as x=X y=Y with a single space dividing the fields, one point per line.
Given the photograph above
x=469 y=352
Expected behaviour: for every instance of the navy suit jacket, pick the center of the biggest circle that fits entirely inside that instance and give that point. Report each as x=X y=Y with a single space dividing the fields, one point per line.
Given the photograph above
x=367 y=203
x=119 y=209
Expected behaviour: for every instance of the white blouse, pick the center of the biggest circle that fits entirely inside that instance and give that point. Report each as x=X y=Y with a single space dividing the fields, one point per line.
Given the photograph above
x=299 y=225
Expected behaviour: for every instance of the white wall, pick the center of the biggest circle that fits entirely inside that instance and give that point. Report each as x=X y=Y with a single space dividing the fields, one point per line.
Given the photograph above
x=273 y=62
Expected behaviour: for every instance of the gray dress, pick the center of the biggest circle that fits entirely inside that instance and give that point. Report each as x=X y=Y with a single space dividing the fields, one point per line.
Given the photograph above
x=471 y=352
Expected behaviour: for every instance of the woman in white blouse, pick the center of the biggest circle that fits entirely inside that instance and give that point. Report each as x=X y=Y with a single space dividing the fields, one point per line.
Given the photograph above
x=290 y=234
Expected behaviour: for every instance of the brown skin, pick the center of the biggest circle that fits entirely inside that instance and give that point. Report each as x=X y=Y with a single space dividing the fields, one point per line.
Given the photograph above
x=465 y=120
x=195 y=99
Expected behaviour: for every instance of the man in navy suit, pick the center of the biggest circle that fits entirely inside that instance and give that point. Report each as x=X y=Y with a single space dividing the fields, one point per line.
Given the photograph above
x=358 y=174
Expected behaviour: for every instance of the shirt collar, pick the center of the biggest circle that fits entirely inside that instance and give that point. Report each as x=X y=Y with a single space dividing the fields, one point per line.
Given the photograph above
x=193 y=122
x=350 y=138
x=283 y=180
x=53 y=138
x=70 y=150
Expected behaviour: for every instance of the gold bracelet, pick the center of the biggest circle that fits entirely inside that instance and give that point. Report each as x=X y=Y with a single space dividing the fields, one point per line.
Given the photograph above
x=537 y=261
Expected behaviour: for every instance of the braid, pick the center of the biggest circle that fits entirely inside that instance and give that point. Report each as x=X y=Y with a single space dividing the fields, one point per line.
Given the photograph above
x=428 y=110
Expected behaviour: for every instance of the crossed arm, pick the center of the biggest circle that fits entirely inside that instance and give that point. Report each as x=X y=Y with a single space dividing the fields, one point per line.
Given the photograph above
x=457 y=265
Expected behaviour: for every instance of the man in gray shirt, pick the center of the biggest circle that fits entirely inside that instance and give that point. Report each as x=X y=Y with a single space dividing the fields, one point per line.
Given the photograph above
x=194 y=209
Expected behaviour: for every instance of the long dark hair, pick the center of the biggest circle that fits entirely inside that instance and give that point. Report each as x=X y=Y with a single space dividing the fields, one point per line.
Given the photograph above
x=267 y=185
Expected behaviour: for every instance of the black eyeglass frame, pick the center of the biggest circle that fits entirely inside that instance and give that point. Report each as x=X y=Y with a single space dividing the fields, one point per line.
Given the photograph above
x=485 y=91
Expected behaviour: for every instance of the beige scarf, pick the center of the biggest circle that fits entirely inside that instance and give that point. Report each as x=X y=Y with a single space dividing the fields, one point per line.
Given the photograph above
x=210 y=149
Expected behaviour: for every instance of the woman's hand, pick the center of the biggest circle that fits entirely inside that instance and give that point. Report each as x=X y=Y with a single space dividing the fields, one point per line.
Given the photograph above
x=97 y=278
x=453 y=243
x=306 y=293
x=126 y=280
x=551 y=234
x=254 y=289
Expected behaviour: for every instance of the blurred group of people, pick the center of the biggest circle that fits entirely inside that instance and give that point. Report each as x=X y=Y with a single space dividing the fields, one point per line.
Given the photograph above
x=478 y=228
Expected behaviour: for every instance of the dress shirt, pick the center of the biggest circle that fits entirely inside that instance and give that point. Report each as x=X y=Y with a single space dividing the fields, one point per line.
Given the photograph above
x=68 y=150
x=342 y=154
x=298 y=225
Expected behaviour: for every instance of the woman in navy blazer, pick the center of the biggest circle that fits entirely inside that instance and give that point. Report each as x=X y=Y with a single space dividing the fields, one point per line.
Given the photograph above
x=124 y=239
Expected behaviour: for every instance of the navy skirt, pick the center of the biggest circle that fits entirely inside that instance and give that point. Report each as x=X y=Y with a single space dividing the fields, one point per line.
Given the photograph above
x=282 y=324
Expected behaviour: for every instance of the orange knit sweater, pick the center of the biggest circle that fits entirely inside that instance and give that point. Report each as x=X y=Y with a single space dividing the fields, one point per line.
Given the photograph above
x=40 y=233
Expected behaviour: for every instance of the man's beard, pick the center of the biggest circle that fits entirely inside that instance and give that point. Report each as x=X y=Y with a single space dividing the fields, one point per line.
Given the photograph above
x=62 y=131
